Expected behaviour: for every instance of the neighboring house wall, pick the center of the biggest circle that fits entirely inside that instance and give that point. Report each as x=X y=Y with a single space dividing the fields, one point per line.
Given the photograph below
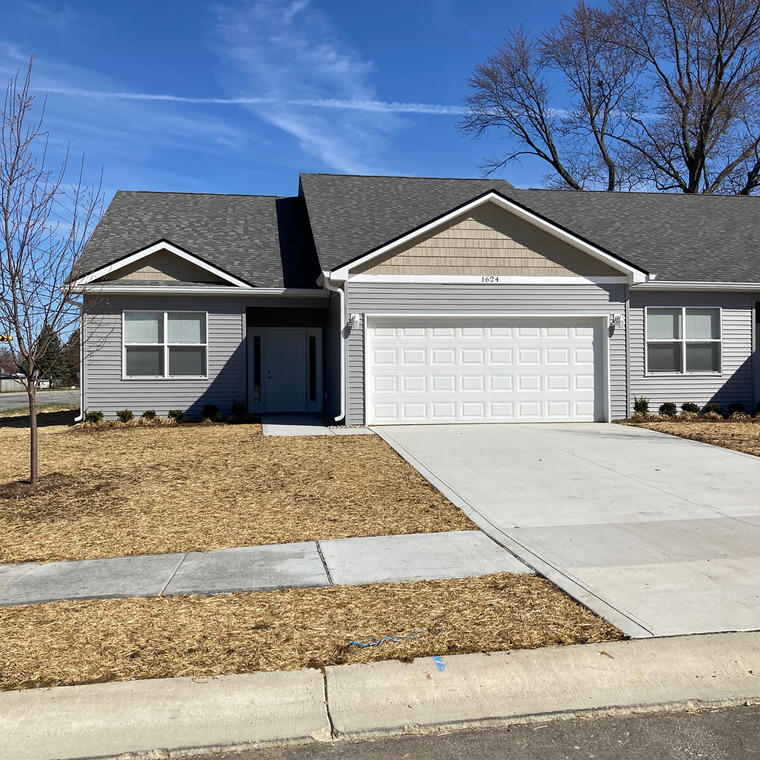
x=501 y=299
x=103 y=386
x=734 y=384
x=164 y=267
x=493 y=241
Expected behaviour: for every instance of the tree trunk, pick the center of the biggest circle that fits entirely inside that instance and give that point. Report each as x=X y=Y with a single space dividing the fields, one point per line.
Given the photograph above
x=33 y=435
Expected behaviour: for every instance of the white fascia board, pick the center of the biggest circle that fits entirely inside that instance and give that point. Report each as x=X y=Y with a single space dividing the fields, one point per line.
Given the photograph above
x=180 y=290
x=486 y=279
x=156 y=248
x=632 y=273
x=696 y=286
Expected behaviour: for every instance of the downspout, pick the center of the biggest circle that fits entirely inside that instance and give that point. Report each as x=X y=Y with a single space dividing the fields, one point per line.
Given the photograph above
x=80 y=416
x=342 y=298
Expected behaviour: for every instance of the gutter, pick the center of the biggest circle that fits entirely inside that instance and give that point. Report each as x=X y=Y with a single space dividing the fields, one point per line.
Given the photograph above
x=697 y=286
x=80 y=416
x=325 y=282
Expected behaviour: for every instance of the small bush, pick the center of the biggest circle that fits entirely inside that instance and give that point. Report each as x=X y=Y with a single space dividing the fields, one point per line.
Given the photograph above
x=125 y=415
x=739 y=416
x=712 y=416
x=688 y=416
x=93 y=417
x=736 y=407
x=668 y=409
x=714 y=408
x=690 y=406
x=149 y=414
x=238 y=409
x=641 y=405
x=209 y=411
x=176 y=414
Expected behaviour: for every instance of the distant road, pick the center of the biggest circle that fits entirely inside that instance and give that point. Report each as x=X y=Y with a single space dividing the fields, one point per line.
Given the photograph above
x=15 y=400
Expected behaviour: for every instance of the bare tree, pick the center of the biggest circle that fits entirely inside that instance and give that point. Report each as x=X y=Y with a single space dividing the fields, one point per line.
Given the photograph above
x=663 y=94
x=44 y=223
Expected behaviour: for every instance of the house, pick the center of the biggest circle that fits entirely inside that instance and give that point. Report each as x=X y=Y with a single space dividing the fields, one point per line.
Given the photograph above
x=389 y=300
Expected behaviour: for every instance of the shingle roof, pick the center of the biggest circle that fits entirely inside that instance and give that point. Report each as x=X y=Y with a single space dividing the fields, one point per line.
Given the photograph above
x=264 y=240
x=675 y=236
x=270 y=241
x=351 y=215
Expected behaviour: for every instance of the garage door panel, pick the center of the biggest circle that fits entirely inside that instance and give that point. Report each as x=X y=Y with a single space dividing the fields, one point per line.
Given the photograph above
x=448 y=369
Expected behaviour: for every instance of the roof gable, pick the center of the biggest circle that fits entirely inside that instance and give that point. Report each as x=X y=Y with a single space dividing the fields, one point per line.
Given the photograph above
x=162 y=261
x=507 y=206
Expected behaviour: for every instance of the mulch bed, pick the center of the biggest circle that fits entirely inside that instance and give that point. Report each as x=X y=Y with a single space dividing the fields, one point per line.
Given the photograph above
x=738 y=436
x=64 y=643
x=146 y=490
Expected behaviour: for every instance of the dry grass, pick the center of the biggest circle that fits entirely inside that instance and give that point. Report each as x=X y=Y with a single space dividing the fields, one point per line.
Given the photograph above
x=123 y=639
x=146 y=490
x=738 y=436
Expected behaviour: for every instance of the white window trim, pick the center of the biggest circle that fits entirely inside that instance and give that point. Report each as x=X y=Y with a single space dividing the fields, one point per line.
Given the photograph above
x=683 y=341
x=164 y=344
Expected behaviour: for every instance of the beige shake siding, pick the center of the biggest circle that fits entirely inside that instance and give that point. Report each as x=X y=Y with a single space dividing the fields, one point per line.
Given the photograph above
x=492 y=241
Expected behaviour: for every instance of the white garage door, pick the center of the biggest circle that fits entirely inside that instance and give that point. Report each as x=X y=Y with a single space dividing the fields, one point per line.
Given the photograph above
x=427 y=370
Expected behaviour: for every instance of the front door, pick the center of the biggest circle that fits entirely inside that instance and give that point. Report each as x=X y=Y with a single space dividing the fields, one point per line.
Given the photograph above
x=285 y=375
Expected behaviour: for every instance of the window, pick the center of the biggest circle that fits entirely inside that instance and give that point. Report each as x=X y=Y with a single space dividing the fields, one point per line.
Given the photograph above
x=165 y=344
x=683 y=340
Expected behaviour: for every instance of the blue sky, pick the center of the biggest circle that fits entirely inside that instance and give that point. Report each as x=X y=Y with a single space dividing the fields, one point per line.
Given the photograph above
x=239 y=97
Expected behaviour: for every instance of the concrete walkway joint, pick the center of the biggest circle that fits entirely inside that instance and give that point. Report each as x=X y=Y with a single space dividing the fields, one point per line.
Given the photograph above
x=345 y=561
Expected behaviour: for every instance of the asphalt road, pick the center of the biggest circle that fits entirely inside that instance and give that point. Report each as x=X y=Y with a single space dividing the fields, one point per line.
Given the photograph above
x=726 y=734
x=17 y=400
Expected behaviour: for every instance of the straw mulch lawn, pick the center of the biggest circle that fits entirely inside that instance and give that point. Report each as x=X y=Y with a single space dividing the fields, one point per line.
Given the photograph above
x=739 y=436
x=123 y=639
x=145 y=490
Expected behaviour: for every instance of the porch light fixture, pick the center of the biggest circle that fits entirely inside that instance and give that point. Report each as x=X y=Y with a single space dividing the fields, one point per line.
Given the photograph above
x=616 y=320
x=354 y=321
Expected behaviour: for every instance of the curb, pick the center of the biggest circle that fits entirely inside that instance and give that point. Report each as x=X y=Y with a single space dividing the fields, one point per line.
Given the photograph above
x=184 y=717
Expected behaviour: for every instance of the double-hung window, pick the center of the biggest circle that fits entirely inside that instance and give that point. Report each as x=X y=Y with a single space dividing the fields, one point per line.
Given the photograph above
x=165 y=344
x=683 y=340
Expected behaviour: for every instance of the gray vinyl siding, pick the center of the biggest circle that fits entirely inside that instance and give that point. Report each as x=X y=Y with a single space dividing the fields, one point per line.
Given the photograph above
x=104 y=388
x=506 y=300
x=332 y=341
x=734 y=384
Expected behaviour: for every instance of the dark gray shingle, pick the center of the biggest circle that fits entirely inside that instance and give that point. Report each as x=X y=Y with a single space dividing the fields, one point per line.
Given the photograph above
x=675 y=236
x=264 y=240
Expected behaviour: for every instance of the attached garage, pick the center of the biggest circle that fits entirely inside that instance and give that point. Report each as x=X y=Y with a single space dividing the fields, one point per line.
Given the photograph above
x=422 y=370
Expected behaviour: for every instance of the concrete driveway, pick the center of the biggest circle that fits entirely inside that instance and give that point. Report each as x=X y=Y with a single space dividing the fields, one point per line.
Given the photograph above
x=658 y=534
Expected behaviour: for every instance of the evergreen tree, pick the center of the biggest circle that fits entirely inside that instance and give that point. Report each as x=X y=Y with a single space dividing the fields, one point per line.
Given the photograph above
x=51 y=362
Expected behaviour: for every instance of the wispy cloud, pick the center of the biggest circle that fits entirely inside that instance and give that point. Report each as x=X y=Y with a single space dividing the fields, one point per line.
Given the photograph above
x=289 y=54
x=375 y=106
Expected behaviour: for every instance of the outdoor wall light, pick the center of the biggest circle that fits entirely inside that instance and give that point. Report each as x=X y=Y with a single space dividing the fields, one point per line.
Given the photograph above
x=354 y=321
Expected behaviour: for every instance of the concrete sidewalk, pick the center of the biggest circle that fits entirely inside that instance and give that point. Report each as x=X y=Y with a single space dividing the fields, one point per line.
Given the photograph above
x=183 y=717
x=347 y=561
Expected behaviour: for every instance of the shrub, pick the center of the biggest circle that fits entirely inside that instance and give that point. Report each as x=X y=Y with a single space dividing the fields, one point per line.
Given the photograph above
x=149 y=414
x=690 y=406
x=238 y=409
x=176 y=414
x=641 y=405
x=125 y=415
x=209 y=411
x=714 y=408
x=93 y=417
x=714 y=416
x=668 y=409
x=736 y=407
x=739 y=416
x=688 y=416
